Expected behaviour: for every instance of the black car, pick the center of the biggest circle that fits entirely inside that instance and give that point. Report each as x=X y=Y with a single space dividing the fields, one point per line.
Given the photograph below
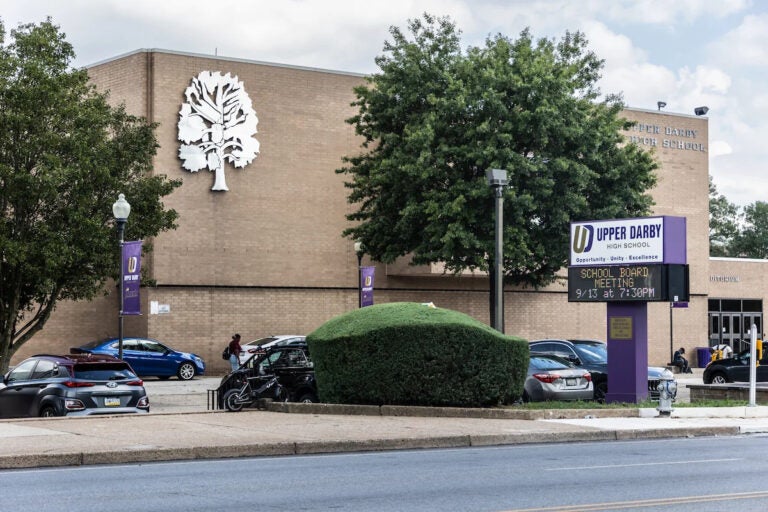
x=734 y=369
x=591 y=355
x=290 y=363
x=71 y=385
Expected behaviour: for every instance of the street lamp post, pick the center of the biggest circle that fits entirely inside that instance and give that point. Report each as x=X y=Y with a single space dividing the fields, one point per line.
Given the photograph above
x=359 y=253
x=497 y=179
x=121 y=210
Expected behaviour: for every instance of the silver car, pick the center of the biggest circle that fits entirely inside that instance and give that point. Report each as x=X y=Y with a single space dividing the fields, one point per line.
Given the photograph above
x=554 y=378
x=254 y=346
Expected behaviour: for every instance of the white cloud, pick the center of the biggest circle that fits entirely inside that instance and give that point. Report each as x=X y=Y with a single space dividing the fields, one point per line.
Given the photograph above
x=664 y=12
x=747 y=45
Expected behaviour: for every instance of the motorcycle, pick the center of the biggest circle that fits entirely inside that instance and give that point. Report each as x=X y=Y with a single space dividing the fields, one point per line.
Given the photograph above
x=253 y=389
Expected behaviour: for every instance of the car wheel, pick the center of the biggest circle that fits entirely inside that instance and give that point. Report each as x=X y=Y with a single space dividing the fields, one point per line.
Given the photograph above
x=186 y=371
x=308 y=398
x=526 y=397
x=48 y=412
x=719 y=378
x=230 y=400
x=600 y=391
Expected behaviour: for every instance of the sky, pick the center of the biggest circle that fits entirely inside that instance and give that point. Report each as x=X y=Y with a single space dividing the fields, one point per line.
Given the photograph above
x=686 y=53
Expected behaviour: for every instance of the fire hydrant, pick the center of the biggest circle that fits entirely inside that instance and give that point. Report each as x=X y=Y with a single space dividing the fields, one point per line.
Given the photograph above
x=667 y=388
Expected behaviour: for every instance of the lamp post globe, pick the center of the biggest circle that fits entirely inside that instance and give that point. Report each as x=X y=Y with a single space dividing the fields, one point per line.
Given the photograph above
x=121 y=209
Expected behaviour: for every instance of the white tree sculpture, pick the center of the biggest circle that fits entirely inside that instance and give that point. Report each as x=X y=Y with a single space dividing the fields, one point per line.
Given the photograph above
x=217 y=124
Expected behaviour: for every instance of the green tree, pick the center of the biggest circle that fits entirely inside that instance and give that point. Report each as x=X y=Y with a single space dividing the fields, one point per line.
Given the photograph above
x=65 y=154
x=723 y=223
x=435 y=118
x=752 y=240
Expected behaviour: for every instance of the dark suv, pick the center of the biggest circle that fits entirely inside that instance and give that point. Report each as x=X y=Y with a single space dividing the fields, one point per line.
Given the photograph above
x=291 y=365
x=71 y=385
x=592 y=355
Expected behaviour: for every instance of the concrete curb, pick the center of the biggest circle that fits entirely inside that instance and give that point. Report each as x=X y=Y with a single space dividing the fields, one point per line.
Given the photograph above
x=447 y=412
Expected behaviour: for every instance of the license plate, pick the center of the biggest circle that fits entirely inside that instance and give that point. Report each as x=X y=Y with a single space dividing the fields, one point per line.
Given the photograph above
x=570 y=382
x=111 y=402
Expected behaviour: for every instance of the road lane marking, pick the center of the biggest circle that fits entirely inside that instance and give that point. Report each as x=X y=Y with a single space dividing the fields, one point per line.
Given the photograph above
x=657 y=502
x=665 y=463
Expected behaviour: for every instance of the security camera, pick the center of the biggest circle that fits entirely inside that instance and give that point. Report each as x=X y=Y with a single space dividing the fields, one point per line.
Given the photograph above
x=701 y=111
x=661 y=104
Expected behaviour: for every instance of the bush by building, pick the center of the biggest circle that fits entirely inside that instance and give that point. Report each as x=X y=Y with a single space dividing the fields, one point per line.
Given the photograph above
x=410 y=354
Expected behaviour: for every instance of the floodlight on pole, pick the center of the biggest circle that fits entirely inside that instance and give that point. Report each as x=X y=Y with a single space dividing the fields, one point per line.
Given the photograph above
x=497 y=179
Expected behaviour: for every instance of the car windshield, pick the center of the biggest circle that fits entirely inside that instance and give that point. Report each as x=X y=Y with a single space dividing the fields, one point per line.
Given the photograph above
x=107 y=371
x=592 y=353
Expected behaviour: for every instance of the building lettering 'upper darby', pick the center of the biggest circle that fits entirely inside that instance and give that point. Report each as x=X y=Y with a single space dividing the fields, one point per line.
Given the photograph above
x=647 y=132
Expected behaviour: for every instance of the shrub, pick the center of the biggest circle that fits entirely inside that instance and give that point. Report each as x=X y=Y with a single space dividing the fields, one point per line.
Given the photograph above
x=410 y=354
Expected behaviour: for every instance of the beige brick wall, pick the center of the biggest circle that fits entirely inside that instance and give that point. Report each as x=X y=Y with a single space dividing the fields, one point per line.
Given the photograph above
x=267 y=256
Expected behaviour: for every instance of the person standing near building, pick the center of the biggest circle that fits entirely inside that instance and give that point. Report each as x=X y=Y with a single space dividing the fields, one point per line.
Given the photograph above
x=234 y=352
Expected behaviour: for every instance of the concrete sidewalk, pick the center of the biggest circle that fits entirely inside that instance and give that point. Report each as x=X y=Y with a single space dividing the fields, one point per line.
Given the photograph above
x=179 y=428
x=158 y=437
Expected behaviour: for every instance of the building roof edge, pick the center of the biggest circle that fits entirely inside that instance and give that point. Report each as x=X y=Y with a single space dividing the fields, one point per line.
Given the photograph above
x=219 y=57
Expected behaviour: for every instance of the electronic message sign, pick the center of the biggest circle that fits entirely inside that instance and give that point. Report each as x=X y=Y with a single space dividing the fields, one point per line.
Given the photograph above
x=617 y=283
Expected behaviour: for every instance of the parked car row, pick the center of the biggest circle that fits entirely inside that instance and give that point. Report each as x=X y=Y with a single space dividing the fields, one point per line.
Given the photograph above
x=591 y=355
x=92 y=380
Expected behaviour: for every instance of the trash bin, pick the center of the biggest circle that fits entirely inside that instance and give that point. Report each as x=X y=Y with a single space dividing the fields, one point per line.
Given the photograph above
x=702 y=356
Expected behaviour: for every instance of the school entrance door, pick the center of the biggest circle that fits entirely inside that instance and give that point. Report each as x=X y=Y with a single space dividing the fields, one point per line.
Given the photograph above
x=730 y=321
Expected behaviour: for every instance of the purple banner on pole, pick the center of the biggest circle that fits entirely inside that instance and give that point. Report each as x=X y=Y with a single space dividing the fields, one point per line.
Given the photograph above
x=366 y=286
x=131 y=278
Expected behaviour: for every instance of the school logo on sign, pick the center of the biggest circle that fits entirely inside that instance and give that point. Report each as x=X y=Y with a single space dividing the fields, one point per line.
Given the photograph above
x=582 y=239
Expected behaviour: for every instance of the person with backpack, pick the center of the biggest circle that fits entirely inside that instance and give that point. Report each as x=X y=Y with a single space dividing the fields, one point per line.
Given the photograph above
x=234 y=352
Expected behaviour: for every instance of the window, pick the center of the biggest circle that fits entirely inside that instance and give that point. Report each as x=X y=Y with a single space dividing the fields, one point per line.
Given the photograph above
x=23 y=371
x=44 y=370
x=128 y=345
x=153 y=346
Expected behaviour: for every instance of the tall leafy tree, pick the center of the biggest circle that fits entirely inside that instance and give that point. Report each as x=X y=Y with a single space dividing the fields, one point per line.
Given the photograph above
x=752 y=240
x=436 y=117
x=723 y=223
x=65 y=154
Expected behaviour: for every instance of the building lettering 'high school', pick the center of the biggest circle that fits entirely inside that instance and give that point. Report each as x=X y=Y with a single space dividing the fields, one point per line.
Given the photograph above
x=259 y=249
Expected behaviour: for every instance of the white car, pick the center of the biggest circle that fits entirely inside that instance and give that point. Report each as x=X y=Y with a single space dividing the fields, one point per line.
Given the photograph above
x=252 y=347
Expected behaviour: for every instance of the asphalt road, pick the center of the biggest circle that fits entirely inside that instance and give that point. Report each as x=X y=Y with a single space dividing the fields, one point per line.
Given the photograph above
x=699 y=474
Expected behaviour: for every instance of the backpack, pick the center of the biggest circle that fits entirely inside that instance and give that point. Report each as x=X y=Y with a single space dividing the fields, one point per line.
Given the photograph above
x=225 y=354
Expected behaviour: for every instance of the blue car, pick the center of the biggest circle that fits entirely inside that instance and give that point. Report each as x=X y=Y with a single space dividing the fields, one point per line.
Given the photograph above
x=149 y=357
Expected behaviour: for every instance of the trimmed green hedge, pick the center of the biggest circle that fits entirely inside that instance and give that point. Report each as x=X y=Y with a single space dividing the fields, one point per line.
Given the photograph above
x=406 y=353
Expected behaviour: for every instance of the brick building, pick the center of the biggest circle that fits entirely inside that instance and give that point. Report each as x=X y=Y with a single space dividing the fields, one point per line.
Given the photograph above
x=267 y=256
